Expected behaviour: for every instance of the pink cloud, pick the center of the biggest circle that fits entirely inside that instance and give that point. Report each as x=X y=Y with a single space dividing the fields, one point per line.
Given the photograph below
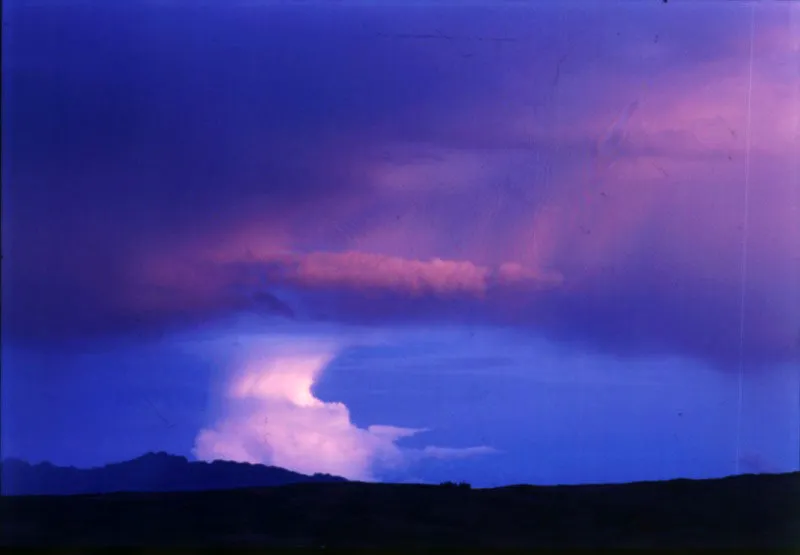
x=183 y=282
x=370 y=271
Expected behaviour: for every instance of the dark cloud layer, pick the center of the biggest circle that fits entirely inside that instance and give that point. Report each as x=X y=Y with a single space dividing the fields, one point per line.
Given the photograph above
x=166 y=166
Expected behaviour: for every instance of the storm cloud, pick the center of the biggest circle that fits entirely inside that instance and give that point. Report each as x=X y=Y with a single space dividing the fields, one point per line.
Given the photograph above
x=166 y=167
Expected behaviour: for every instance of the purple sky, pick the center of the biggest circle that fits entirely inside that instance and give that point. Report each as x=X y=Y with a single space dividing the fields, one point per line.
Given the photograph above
x=543 y=242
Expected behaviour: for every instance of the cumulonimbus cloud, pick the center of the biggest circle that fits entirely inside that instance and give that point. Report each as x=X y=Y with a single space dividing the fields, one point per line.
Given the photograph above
x=273 y=417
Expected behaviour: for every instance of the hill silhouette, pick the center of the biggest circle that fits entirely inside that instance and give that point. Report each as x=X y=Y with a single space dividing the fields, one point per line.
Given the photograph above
x=152 y=472
x=751 y=511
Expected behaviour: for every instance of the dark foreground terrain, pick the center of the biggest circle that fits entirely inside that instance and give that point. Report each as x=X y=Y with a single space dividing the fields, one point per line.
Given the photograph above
x=746 y=511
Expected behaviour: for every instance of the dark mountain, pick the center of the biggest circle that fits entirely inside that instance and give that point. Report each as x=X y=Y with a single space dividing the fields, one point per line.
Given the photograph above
x=148 y=473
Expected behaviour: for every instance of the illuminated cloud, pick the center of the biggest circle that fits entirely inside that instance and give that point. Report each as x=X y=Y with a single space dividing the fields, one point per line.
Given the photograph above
x=167 y=285
x=370 y=271
x=272 y=417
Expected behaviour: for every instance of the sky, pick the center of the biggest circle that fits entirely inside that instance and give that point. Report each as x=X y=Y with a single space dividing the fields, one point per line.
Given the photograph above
x=489 y=242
